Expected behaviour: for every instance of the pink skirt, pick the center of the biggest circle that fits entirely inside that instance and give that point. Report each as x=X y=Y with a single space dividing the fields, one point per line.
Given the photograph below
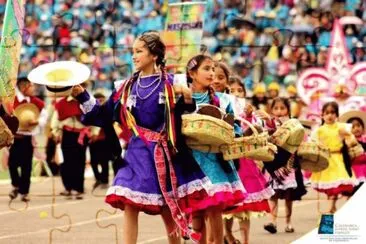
x=257 y=188
x=359 y=167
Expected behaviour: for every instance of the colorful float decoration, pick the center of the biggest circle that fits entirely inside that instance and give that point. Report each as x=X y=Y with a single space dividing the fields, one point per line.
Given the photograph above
x=339 y=80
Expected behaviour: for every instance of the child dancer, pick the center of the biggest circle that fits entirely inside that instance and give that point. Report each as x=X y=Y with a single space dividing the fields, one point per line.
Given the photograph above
x=259 y=99
x=220 y=82
x=358 y=121
x=337 y=178
x=21 y=152
x=226 y=189
x=291 y=188
x=144 y=108
x=253 y=180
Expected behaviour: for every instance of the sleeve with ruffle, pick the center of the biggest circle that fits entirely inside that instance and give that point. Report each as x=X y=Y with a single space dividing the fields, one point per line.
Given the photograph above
x=95 y=113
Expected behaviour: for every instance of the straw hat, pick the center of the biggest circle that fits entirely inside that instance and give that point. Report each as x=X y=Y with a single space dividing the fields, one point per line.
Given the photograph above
x=353 y=114
x=59 y=77
x=26 y=113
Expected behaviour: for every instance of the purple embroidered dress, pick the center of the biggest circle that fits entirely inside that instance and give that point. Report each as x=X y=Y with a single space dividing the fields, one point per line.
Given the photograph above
x=147 y=179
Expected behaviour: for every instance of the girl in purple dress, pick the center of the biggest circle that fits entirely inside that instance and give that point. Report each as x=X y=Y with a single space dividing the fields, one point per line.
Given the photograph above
x=159 y=177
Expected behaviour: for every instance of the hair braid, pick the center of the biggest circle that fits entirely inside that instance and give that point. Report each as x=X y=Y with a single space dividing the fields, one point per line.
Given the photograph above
x=213 y=99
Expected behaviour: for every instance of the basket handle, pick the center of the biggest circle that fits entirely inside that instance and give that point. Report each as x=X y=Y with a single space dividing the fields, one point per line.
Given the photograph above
x=210 y=105
x=255 y=131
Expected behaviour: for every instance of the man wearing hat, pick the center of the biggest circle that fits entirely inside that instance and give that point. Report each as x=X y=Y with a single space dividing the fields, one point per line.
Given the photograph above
x=100 y=152
x=273 y=91
x=30 y=113
x=68 y=130
x=291 y=92
x=59 y=77
x=259 y=99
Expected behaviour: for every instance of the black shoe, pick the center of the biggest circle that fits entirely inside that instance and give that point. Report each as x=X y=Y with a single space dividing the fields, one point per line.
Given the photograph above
x=289 y=229
x=13 y=194
x=96 y=184
x=79 y=196
x=25 y=198
x=65 y=193
x=271 y=228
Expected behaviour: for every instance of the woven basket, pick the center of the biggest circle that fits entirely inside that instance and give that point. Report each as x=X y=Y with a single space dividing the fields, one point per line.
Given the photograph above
x=289 y=136
x=207 y=130
x=6 y=137
x=355 y=151
x=193 y=144
x=254 y=147
x=313 y=156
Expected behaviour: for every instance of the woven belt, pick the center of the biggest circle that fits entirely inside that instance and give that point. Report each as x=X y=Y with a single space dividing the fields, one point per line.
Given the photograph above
x=161 y=152
x=84 y=132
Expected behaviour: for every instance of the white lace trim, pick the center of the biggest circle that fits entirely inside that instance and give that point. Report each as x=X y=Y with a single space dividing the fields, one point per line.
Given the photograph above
x=87 y=106
x=213 y=189
x=183 y=191
x=193 y=186
x=210 y=188
x=137 y=197
x=285 y=186
x=260 y=196
x=361 y=179
x=334 y=184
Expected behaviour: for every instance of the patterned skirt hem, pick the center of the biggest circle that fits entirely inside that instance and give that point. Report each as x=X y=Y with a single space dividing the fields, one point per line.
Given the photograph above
x=254 y=197
x=121 y=201
x=334 y=184
x=262 y=206
x=336 y=190
x=200 y=200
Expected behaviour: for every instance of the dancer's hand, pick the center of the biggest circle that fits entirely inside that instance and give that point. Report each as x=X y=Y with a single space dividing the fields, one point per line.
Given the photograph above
x=77 y=90
x=184 y=91
x=33 y=123
x=262 y=115
x=344 y=133
x=57 y=139
x=248 y=110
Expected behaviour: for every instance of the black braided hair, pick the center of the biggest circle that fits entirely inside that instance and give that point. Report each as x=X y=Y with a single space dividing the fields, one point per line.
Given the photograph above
x=193 y=65
x=155 y=45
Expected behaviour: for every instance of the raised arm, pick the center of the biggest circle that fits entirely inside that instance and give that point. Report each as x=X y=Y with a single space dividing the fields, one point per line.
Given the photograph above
x=95 y=113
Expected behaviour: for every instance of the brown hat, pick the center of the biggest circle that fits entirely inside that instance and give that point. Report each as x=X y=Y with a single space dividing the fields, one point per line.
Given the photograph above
x=26 y=113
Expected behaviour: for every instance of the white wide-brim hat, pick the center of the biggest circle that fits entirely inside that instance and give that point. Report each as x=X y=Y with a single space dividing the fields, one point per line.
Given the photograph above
x=60 y=76
x=353 y=114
